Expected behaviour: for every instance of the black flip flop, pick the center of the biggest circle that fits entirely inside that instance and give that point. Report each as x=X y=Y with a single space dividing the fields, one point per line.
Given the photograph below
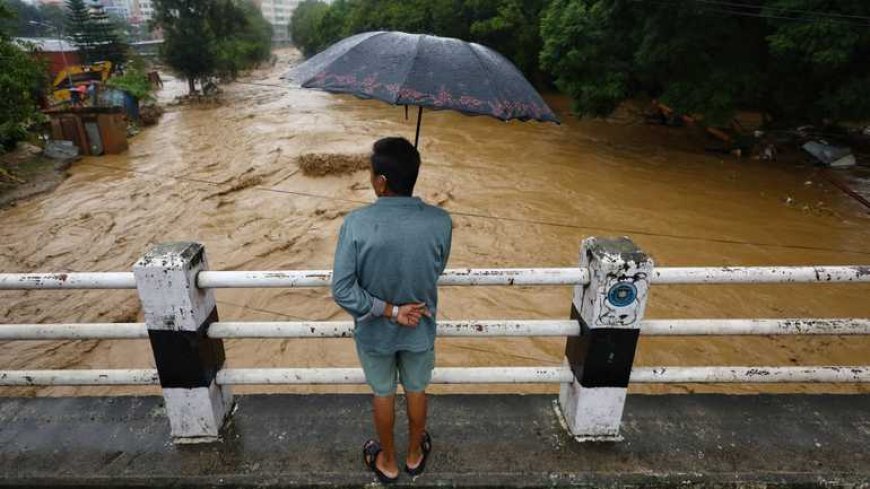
x=371 y=449
x=426 y=447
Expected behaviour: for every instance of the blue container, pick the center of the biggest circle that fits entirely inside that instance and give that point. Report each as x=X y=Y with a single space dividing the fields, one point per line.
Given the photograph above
x=131 y=106
x=112 y=97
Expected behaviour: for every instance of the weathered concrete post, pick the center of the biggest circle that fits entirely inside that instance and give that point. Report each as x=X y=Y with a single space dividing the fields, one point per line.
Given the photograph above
x=609 y=309
x=178 y=315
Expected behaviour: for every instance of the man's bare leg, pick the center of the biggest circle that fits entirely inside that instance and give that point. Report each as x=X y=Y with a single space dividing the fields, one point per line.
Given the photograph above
x=385 y=415
x=416 y=426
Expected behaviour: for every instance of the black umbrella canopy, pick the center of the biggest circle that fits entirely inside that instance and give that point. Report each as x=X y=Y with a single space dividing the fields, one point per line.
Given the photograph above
x=426 y=71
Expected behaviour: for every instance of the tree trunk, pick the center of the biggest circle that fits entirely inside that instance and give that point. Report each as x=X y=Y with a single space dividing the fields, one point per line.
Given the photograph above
x=191 y=84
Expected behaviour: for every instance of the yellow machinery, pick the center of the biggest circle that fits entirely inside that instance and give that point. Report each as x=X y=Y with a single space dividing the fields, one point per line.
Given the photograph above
x=76 y=75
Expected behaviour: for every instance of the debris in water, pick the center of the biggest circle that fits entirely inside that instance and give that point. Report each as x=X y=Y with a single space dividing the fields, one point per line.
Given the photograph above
x=834 y=156
x=768 y=151
x=329 y=214
x=439 y=198
x=149 y=114
x=242 y=184
x=207 y=101
x=60 y=150
x=323 y=164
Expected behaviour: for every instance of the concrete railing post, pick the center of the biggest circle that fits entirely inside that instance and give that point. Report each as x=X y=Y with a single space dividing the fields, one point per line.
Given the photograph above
x=178 y=315
x=609 y=308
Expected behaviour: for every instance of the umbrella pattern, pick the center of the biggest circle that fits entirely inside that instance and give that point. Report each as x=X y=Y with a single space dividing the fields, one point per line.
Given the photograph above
x=426 y=71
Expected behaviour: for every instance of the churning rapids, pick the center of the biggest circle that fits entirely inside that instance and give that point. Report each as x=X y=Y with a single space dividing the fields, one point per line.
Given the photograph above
x=522 y=195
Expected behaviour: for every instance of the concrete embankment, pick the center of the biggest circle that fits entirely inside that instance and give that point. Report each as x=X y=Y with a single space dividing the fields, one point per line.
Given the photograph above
x=479 y=441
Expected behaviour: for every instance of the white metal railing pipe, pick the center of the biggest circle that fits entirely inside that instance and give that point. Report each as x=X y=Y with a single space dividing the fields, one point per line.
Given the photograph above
x=74 y=331
x=80 y=377
x=297 y=376
x=440 y=375
x=281 y=329
x=556 y=276
x=760 y=275
x=514 y=276
x=287 y=329
x=344 y=329
x=447 y=329
x=555 y=327
x=213 y=279
x=558 y=375
x=458 y=276
x=751 y=375
x=73 y=280
x=723 y=327
x=467 y=276
x=455 y=375
x=502 y=375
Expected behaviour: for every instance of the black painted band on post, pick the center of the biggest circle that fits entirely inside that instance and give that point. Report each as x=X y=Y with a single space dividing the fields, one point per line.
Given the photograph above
x=601 y=357
x=187 y=359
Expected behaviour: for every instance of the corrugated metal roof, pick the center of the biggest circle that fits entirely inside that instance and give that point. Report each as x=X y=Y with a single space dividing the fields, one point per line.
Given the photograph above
x=48 y=44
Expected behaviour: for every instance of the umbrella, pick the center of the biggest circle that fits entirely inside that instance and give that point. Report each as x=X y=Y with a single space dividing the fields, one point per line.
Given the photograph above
x=426 y=71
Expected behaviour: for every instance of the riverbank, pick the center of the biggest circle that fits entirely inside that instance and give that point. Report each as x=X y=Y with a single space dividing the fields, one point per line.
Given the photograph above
x=25 y=173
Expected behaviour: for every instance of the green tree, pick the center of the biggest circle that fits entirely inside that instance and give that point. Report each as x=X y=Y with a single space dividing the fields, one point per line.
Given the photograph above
x=697 y=62
x=334 y=25
x=586 y=61
x=22 y=81
x=818 y=69
x=305 y=25
x=796 y=60
x=192 y=48
x=189 y=46
x=246 y=37
x=514 y=30
x=53 y=15
x=78 y=27
x=509 y=26
x=134 y=81
x=94 y=33
x=406 y=16
x=449 y=18
x=27 y=20
x=106 y=43
x=19 y=21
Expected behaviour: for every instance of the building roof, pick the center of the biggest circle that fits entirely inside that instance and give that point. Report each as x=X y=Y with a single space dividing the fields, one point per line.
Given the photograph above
x=147 y=43
x=47 y=44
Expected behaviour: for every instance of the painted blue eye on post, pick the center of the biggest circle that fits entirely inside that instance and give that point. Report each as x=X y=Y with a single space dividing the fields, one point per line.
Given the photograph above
x=622 y=294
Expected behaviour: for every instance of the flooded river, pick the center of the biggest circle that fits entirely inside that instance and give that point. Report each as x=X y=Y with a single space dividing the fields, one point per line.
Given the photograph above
x=522 y=195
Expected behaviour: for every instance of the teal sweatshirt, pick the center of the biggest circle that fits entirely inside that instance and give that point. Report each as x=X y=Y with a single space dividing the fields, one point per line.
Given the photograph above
x=391 y=251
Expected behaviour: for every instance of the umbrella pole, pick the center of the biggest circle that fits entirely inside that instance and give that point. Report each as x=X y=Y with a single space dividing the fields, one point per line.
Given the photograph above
x=419 y=119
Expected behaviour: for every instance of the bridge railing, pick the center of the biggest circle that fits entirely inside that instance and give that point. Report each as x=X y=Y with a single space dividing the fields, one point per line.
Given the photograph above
x=610 y=290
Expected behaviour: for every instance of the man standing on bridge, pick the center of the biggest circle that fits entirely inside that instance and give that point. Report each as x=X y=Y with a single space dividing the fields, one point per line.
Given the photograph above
x=387 y=263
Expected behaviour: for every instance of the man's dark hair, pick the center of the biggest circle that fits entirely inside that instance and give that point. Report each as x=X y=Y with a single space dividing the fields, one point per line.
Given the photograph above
x=399 y=161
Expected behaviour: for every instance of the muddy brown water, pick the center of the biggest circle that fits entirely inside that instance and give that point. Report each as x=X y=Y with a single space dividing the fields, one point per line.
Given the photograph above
x=522 y=195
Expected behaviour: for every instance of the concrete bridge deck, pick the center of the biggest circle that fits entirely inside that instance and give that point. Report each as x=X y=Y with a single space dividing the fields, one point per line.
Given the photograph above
x=479 y=441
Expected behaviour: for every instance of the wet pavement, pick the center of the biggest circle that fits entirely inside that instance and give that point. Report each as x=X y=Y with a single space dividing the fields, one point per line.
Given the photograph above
x=479 y=441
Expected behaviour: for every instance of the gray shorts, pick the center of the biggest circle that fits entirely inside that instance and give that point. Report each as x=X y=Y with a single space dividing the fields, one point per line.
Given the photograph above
x=412 y=369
